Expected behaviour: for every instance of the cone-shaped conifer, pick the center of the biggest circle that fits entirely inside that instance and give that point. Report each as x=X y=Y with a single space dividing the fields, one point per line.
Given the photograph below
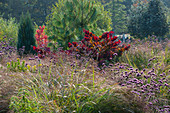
x=26 y=39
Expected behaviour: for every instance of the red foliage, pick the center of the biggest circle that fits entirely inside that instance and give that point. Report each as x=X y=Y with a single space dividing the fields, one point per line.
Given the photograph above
x=42 y=42
x=102 y=47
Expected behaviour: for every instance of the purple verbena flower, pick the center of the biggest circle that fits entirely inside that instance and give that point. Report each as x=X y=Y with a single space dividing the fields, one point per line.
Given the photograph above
x=138 y=74
x=166 y=84
x=149 y=64
x=36 y=57
x=161 y=75
x=150 y=60
x=31 y=58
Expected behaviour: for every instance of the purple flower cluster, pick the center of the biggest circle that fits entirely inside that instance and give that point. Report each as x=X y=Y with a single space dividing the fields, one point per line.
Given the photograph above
x=147 y=84
x=6 y=49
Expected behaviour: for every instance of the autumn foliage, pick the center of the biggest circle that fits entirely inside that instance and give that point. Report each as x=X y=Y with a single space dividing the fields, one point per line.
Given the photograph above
x=100 y=48
x=42 y=42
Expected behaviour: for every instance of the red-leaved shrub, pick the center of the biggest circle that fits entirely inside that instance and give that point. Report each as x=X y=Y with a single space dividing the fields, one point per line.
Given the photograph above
x=102 y=48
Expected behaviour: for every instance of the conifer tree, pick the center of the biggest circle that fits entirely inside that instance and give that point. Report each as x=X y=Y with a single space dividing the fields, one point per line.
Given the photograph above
x=136 y=19
x=119 y=14
x=26 y=35
x=156 y=21
x=69 y=18
x=148 y=19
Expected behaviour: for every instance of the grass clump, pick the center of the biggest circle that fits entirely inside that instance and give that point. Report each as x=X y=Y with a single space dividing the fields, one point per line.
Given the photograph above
x=141 y=52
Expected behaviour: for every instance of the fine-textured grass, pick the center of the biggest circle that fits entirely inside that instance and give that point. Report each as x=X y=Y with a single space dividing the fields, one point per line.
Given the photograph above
x=66 y=84
x=141 y=52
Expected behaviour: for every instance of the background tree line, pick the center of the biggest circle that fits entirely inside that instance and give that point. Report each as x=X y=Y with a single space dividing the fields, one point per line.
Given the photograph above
x=148 y=18
x=39 y=9
x=125 y=14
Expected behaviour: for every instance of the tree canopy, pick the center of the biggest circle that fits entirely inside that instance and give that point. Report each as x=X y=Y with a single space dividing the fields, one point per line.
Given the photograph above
x=148 y=19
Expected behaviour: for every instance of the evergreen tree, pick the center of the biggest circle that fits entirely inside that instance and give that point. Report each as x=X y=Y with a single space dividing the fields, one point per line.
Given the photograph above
x=119 y=16
x=128 y=4
x=135 y=19
x=148 y=19
x=26 y=35
x=39 y=8
x=106 y=4
x=69 y=18
x=156 y=20
x=3 y=7
x=166 y=3
x=119 y=10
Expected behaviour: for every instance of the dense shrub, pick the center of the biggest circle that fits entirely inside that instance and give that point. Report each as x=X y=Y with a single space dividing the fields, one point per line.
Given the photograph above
x=9 y=28
x=26 y=35
x=103 y=48
x=42 y=42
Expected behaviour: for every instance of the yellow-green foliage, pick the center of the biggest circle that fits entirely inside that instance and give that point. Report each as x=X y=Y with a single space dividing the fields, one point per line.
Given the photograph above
x=9 y=29
x=16 y=66
x=21 y=66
